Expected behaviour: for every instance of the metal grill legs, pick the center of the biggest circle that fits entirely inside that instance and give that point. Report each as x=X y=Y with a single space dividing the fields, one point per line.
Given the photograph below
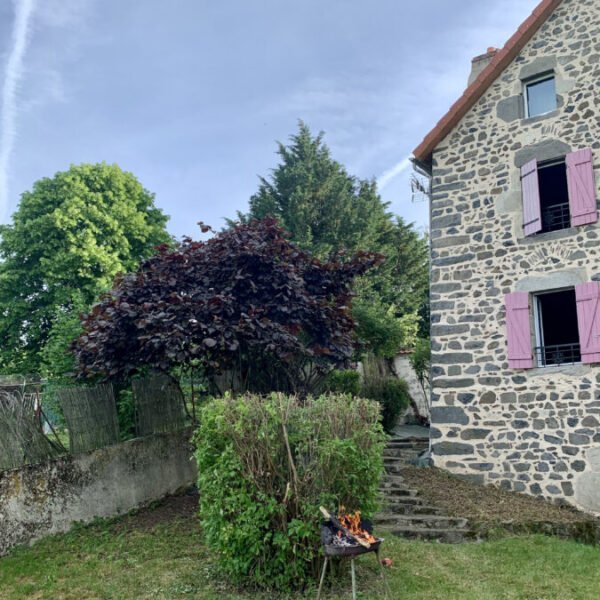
x=353 y=573
x=322 y=578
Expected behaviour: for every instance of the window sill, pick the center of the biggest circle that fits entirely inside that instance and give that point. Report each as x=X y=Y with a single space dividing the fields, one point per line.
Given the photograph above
x=542 y=117
x=548 y=236
x=577 y=369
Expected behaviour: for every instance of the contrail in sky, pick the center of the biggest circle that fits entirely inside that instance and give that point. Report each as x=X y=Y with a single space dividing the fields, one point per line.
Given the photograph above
x=388 y=175
x=13 y=76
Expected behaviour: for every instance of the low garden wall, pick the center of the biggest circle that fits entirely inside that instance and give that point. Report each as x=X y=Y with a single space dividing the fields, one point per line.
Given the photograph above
x=37 y=500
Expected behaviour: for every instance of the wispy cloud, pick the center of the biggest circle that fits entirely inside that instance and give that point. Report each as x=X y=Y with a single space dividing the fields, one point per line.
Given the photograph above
x=390 y=174
x=14 y=73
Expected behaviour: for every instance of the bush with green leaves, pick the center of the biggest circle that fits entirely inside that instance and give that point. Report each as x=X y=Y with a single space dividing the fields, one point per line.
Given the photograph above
x=343 y=381
x=393 y=396
x=266 y=464
x=380 y=329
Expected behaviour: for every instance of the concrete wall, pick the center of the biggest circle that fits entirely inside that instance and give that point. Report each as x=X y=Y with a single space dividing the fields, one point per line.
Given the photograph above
x=38 y=500
x=403 y=370
x=535 y=431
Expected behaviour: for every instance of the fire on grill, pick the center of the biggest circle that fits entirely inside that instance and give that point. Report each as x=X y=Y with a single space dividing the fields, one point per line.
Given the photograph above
x=348 y=535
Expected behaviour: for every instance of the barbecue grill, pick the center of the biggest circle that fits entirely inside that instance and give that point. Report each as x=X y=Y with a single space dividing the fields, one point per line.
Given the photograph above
x=338 y=543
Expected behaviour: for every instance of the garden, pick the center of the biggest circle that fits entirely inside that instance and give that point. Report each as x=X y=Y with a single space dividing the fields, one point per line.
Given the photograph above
x=159 y=553
x=269 y=347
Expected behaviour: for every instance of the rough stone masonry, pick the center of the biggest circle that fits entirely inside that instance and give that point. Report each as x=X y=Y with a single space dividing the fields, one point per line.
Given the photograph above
x=529 y=430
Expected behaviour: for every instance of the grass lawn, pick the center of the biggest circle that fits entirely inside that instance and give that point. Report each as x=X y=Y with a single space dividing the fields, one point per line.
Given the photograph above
x=146 y=557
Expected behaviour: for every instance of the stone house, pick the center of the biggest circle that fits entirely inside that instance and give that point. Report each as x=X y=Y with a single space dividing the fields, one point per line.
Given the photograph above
x=515 y=262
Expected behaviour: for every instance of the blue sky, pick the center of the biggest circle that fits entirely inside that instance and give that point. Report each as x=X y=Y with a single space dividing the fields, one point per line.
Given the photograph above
x=191 y=95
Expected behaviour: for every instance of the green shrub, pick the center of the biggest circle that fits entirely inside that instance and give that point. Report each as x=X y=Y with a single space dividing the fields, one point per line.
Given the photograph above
x=267 y=464
x=381 y=329
x=343 y=381
x=393 y=396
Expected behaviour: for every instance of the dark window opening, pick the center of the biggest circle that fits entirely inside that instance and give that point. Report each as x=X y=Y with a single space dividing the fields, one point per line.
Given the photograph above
x=558 y=333
x=554 y=196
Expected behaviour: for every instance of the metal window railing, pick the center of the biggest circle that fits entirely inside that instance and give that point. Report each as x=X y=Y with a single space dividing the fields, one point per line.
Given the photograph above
x=560 y=354
x=556 y=217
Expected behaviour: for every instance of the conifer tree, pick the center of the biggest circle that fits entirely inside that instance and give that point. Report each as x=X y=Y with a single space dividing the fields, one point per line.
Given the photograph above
x=326 y=210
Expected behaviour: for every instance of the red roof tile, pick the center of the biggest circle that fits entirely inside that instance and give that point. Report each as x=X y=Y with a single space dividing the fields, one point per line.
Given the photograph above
x=502 y=59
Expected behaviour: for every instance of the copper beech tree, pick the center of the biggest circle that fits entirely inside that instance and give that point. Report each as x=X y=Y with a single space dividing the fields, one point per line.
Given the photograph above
x=247 y=306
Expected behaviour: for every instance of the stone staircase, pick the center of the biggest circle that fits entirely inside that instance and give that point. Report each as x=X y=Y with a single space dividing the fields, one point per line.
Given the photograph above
x=404 y=513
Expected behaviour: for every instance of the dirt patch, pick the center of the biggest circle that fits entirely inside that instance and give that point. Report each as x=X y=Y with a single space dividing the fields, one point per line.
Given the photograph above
x=486 y=504
x=163 y=512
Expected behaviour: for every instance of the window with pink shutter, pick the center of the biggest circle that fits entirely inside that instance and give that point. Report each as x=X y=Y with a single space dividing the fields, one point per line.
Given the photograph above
x=556 y=328
x=582 y=187
x=518 y=331
x=532 y=214
x=588 y=317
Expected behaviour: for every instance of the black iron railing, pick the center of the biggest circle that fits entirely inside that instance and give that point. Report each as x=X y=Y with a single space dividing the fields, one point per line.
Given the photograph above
x=556 y=217
x=561 y=354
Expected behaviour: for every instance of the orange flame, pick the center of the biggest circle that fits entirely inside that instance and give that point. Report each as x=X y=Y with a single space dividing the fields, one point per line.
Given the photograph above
x=351 y=521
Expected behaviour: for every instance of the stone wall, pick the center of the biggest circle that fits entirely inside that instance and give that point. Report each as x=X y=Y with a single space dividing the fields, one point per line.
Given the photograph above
x=39 y=500
x=534 y=431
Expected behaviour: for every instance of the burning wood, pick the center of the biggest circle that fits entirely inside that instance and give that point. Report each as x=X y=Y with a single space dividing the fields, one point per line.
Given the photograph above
x=352 y=523
x=348 y=530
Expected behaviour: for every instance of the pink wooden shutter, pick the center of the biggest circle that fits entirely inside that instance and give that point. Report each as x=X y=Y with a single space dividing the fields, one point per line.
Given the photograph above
x=532 y=212
x=582 y=187
x=518 y=331
x=588 y=318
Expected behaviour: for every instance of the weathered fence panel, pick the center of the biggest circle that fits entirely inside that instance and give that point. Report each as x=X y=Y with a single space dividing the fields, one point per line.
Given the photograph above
x=22 y=440
x=91 y=416
x=159 y=405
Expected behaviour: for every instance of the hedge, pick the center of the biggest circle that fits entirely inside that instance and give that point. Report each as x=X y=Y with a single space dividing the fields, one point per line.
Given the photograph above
x=266 y=464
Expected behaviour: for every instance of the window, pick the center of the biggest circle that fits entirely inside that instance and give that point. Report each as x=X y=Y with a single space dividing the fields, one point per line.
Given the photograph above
x=556 y=328
x=567 y=326
x=559 y=194
x=554 y=196
x=540 y=95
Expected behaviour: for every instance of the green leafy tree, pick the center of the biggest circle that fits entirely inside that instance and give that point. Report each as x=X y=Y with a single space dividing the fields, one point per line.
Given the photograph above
x=327 y=211
x=69 y=237
x=399 y=286
x=382 y=328
x=57 y=361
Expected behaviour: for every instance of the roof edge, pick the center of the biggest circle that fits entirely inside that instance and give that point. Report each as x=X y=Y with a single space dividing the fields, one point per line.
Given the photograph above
x=480 y=85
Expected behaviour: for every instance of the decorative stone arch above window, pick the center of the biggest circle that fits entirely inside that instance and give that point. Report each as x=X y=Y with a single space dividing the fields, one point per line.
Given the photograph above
x=538 y=66
x=543 y=151
x=552 y=281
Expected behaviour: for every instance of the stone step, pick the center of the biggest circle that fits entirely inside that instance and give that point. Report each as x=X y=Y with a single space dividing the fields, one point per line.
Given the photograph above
x=403 y=512
x=423 y=521
x=444 y=536
x=395 y=454
x=406 y=500
x=401 y=508
x=399 y=491
x=407 y=442
x=403 y=454
x=392 y=480
x=393 y=467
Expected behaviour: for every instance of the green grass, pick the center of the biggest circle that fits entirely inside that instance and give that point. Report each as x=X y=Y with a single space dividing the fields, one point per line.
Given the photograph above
x=110 y=560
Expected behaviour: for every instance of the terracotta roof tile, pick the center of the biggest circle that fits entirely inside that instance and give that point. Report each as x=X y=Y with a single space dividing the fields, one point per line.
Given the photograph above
x=502 y=59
